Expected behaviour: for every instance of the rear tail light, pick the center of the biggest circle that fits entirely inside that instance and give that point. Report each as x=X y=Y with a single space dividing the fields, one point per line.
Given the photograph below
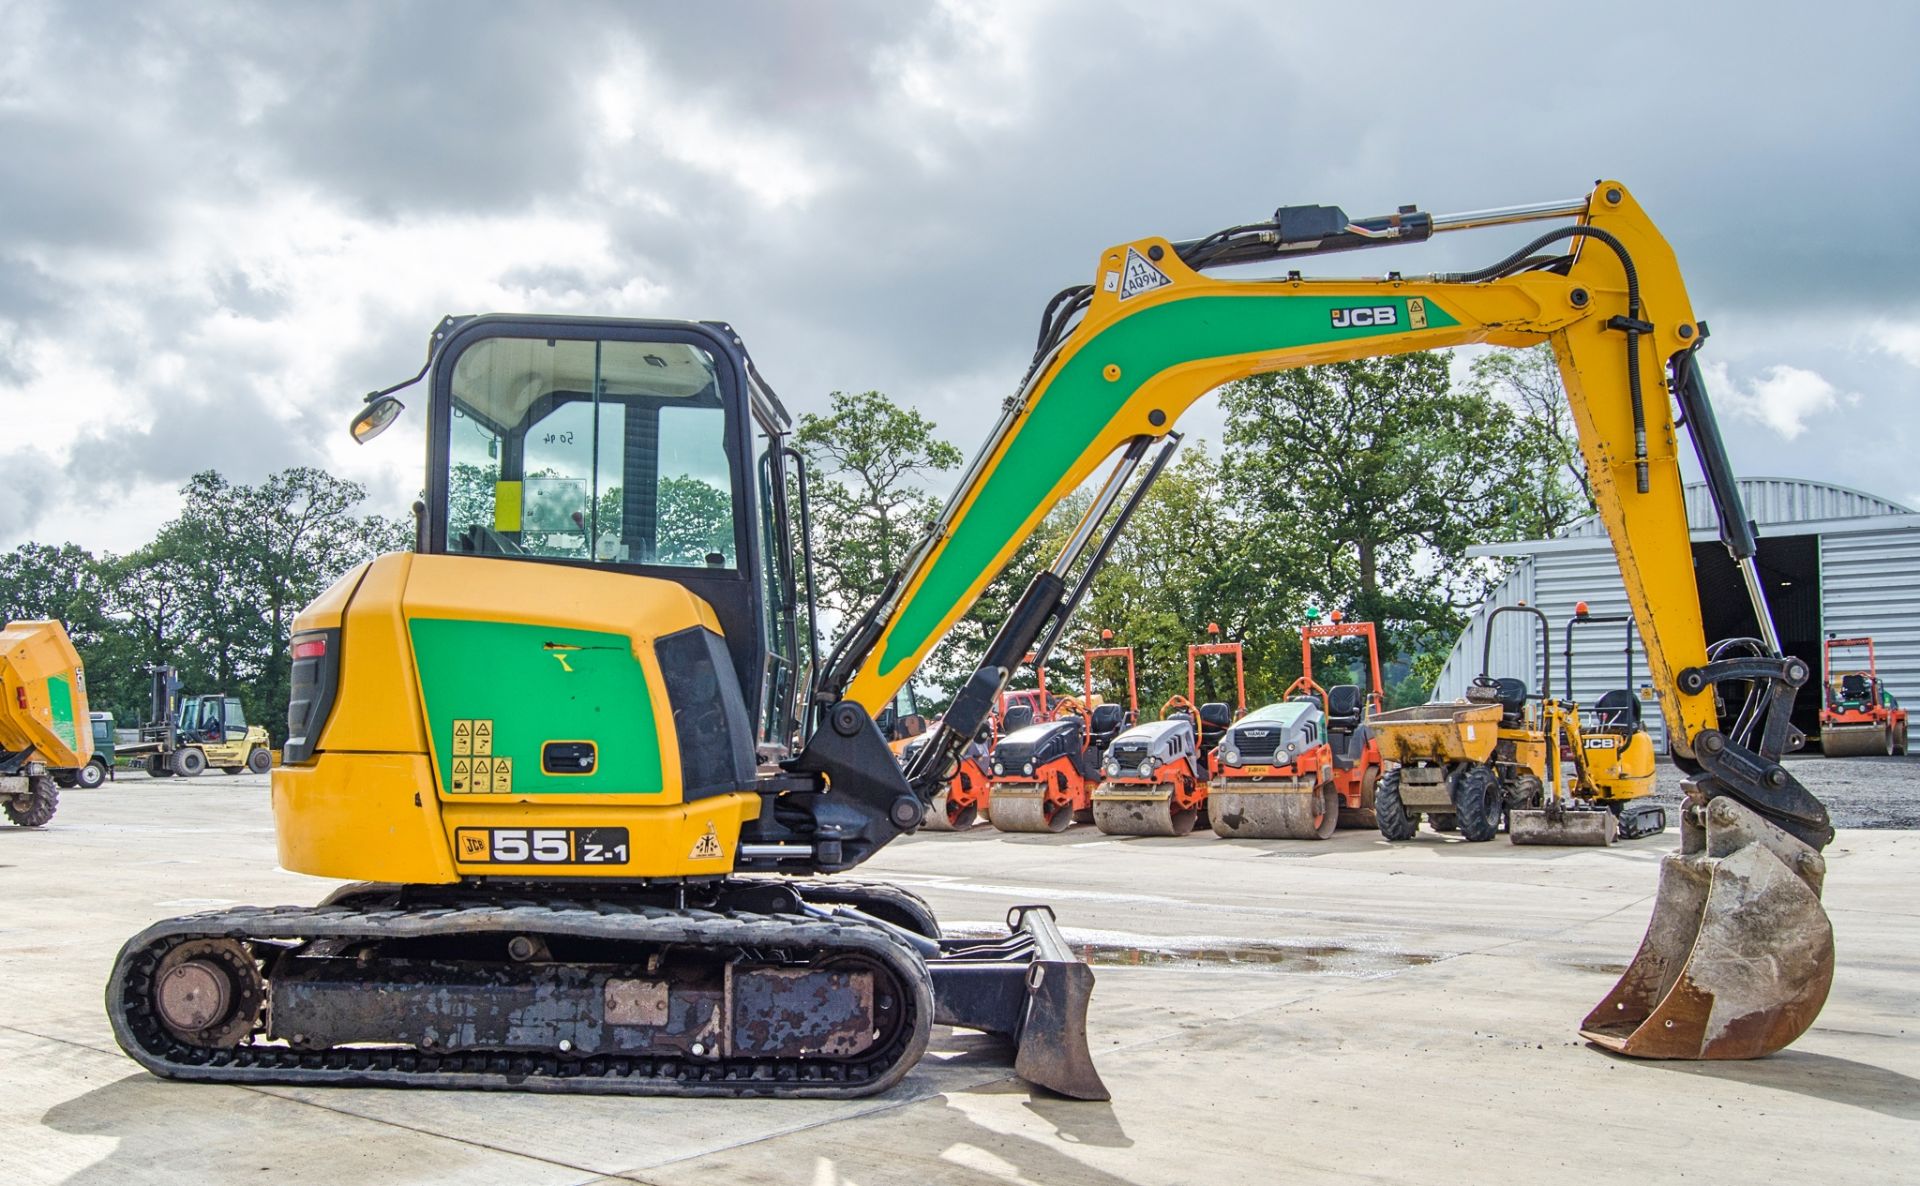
x=315 y=678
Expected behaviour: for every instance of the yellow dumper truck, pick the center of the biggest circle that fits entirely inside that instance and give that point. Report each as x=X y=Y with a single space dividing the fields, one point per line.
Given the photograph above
x=43 y=718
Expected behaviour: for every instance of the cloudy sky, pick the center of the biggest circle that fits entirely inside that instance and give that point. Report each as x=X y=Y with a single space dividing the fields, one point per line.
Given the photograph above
x=220 y=224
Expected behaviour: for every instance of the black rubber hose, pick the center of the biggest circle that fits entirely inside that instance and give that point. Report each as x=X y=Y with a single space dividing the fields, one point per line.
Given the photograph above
x=1633 y=326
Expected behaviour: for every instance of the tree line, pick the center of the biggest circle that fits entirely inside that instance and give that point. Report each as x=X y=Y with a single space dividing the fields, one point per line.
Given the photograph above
x=1355 y=487
x=214 y=593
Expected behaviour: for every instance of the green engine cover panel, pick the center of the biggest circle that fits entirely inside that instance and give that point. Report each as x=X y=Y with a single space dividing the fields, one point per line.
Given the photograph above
x=503 y=690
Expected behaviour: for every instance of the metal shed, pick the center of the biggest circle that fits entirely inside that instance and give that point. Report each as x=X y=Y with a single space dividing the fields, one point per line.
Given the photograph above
x=1835 y=562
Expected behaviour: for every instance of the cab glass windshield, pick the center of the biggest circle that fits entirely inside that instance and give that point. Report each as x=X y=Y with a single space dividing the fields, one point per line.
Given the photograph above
x=612 y=452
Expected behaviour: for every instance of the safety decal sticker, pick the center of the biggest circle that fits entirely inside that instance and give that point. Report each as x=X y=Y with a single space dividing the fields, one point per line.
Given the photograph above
x=1417 y=312
x=1140 y=276
x=475 y=770
x=707 y=848
x=472 y=737
x=1110 y=282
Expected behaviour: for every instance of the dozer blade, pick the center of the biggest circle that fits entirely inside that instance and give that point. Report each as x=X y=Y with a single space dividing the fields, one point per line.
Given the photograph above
x=1029 y=987
x=1738 y=957
x=1591 y=827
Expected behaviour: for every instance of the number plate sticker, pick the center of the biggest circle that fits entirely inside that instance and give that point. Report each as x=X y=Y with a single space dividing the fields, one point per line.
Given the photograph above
x=1258 y=771
x=540 y=846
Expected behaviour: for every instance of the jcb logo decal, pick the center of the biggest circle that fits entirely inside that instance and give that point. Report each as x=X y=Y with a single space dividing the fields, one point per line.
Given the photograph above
x=1363 y=316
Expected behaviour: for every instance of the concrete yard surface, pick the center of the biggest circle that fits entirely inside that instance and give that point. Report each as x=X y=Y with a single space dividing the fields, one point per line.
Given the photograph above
x=1267 y=1011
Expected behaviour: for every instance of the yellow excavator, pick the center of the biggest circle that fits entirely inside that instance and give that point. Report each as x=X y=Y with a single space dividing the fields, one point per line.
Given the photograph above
x=581 y=758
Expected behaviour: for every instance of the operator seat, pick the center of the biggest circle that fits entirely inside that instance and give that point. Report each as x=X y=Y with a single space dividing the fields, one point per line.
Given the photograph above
x=1855 y=688
x=1108 y=720
x=1344 y=704
x=1512 y=695
x=1019 y=716
x=1618 y=711
x=1215 y=717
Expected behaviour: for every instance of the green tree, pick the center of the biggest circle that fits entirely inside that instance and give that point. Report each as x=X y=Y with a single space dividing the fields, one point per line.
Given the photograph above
x=1186 y=561
x=43 y=581
x=1553 y=490
x=868 y=459
x=245 y=559
x=1384 y=473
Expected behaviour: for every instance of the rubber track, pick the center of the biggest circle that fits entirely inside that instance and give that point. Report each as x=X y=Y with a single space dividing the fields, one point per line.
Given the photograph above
x=142 y=1035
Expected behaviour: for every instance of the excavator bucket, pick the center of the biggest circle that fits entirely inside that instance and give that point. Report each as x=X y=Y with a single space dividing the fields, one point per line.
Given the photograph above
x=1029 y=987
x=1738 y=958
x=1593 y=827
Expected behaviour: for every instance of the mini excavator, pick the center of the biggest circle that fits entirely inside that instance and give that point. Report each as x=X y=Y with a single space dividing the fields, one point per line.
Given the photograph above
x=580 y=759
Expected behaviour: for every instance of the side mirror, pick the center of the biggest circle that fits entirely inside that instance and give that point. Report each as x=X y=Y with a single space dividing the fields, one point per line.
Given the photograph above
x=375 y=417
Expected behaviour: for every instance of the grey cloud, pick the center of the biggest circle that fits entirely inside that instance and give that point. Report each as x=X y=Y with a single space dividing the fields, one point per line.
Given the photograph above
x=1768 y=147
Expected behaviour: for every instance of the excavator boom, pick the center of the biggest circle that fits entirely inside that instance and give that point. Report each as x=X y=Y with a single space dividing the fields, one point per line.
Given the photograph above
x=1119 y=361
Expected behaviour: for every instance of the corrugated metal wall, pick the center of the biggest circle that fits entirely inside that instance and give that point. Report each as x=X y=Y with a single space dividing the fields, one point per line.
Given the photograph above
x=1554 y=583
x=1769 y=500
x=1869 y=577
x=1510 y=651
x=1870 y=584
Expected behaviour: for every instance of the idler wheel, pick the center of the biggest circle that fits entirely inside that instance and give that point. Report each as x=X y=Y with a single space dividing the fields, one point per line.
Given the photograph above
x=208 y=992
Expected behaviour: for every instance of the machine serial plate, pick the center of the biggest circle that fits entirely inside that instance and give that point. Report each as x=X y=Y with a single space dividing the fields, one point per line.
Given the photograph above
x=541 y=846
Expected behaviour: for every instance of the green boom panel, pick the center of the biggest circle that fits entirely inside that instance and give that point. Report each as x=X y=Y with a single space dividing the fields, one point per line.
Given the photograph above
x=1079 y=403
x=533 y=684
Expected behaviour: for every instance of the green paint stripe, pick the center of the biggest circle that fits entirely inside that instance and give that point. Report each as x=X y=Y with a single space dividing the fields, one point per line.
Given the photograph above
x=1079 y=403
x=60 y=700
x=507 y=674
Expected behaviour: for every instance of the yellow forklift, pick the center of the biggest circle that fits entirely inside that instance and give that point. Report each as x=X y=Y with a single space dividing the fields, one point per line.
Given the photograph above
x=187 y=734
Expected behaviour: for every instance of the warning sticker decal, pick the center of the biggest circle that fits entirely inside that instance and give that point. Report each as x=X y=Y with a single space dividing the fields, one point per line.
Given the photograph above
x=1140 y=276
x=707 y=848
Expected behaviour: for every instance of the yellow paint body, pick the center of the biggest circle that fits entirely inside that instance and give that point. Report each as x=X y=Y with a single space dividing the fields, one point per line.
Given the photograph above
x=373 y=805
x=1571 y=311
x=39 y=665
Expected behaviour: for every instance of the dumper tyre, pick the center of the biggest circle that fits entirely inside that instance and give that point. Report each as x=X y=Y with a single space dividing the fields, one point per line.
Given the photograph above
x=90 y=776
x=36 y=807
x=1388 y=812
x=1477 y=798
x=189 y=761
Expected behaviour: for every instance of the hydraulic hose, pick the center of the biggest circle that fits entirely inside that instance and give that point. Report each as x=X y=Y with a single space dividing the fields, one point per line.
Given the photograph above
x=1631 y=323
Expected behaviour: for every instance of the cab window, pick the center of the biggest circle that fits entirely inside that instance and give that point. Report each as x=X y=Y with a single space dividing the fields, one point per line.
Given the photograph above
x=608 y=452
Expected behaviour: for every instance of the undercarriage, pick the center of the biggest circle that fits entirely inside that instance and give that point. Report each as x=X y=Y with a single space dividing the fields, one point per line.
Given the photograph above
x=744 y=987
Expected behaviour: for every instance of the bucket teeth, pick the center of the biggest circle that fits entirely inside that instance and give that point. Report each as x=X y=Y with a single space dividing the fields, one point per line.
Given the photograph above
x=1738 y=957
